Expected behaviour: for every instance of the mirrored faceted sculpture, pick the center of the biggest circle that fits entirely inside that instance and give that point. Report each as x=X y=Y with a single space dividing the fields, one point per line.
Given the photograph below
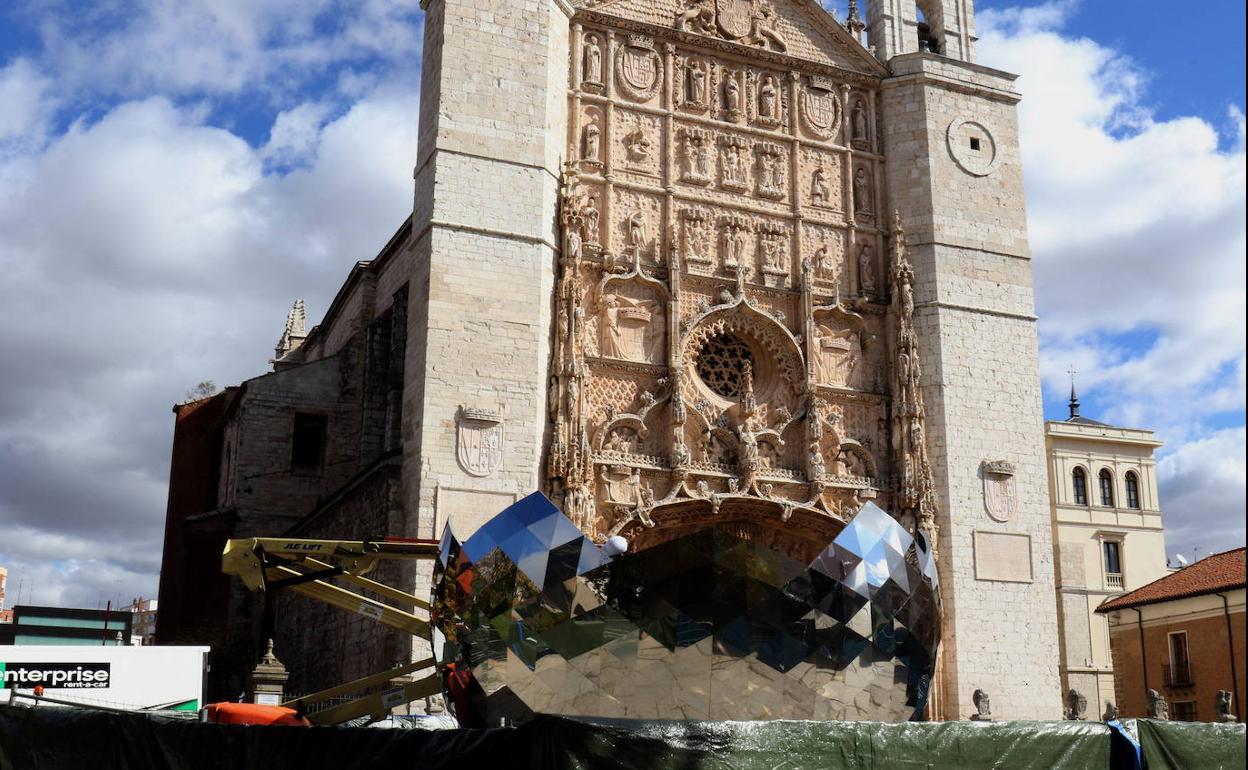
x=530 y=616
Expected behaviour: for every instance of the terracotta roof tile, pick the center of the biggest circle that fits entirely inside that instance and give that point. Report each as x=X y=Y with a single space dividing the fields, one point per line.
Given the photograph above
x=1220 y=572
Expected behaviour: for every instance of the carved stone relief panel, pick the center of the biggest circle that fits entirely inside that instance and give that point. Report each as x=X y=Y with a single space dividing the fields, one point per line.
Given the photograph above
x=838 y=350
x=821 y=181
x=632 y=323
x=864 y=191
x=637 y=142
x=771 y=170
x=695 y=155
x=860 y=123
x=697 y=237
x=637 y=226
x=867 y=264
x=824 y=249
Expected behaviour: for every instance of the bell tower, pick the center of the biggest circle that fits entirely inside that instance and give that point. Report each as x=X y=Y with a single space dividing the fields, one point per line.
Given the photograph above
x=944 y=27
x=953 y=172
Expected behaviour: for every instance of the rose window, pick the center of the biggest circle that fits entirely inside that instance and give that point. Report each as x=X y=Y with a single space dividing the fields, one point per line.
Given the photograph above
x=722 y=364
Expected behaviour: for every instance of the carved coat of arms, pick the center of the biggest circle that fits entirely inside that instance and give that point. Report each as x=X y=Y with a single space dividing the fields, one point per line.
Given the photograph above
x=736 y=17
x=1000 y=494
x=821 y=109
x=639 y=66
x=479 y=441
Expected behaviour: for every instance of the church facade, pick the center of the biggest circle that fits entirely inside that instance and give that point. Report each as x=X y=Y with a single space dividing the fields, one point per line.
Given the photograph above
x=678 y=264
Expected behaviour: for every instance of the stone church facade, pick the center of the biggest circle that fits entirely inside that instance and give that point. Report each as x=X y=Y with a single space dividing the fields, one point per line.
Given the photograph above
x=677 y=263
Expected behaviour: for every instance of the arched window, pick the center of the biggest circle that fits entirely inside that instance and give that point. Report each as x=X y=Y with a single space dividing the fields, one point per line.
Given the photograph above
x=1107 y=488
x=1080 y=480
x=1133 y=490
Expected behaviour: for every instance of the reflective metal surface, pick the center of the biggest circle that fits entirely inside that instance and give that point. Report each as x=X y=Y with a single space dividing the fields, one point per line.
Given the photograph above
x=530 y=616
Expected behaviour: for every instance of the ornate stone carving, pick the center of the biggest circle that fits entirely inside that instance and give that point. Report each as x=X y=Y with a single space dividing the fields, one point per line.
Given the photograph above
x=692 y=372
x=639 y=68
x=866 y=270
x=859 y=131
x=770 y=178
x=1000 y=495
x=1222 y=707
x=1076 y=705
x=751 y=22
x=733 y=106
x=695 y=156
x=638 y=145
x=863 y=192
x=983 y=707
x=733 y=163
x=736 y=238
x=820 y=108
x=591 y=140
x=773 y=248
x=1157 y=706
x=479 y=441
x=696 y=84
x=591 y=61
x=916 y=496
x=632 y=329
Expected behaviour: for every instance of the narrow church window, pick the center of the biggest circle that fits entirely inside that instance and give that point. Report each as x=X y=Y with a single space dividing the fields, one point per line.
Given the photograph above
x=1081 y=486
x=1133 y=490
x=1107 y=488
x=307 y=448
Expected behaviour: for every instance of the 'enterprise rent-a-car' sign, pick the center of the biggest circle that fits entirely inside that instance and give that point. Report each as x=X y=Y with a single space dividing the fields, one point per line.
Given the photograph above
x=119 y=677
x=55 y=676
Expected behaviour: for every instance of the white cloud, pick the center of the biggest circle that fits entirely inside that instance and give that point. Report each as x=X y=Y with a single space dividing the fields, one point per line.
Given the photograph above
x=1137 y=228
x=142 y=253
x=27 y=107
x=1203 y=493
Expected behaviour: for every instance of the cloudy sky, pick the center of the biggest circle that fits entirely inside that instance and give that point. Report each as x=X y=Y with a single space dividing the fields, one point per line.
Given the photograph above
x=174 y=173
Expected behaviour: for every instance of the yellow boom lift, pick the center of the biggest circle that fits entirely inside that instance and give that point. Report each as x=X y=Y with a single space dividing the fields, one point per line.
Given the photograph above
x=334 y=571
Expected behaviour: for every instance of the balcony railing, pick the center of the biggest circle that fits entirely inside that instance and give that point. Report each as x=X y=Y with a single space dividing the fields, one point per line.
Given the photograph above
x=1113 y=579
x=1178 y=675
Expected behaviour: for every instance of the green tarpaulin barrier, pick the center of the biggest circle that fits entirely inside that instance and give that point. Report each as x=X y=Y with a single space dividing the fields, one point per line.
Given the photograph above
x=71 y=739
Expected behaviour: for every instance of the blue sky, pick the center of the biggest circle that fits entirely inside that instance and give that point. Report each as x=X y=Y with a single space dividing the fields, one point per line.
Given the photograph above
x=174 y=173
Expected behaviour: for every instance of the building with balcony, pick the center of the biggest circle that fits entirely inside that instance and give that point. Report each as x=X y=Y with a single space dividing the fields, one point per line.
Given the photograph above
x=1107 y=535
x=1183 y=636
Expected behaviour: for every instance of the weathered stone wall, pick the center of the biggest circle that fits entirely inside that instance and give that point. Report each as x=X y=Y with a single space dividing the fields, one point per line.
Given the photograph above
x=492 y=112
x=954 y=173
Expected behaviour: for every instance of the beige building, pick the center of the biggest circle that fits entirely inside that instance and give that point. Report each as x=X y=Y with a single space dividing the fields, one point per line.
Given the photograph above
x=1107 y=534
x=677 y=263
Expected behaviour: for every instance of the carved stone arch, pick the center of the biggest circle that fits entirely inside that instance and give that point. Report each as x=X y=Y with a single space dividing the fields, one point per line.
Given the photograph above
x=631 y=317
x=631 y=421
x=851 y=446
x=802 y=536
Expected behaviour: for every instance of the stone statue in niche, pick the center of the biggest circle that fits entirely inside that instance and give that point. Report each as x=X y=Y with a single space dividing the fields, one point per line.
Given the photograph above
x=632 y=329
x=697 y=237
x=770 y=174
x=825 y=267
x=732 y=97
x=862 y=191
x=839 y=352
x=735 y=243
x=733 y=166
x=622 y=440
x=858 y=122
x=695 y=82
x=816 y=467
x=573 y=243
x=820 y=189
x=592 y=139
x=772 y=246
x=592 y=54
x=591 y=215
x=638 y=145
x=769 y=99
x=866 y=269
x=637 y=232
